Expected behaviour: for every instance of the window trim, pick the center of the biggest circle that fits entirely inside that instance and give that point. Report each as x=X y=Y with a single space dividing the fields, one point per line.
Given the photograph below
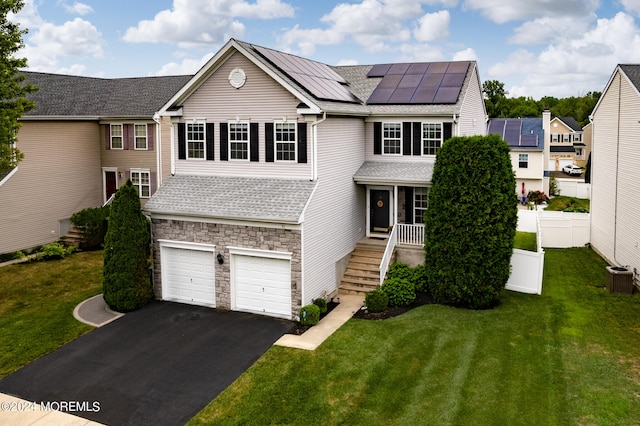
x=566 y=137
x=417 y=208
x=246 y=142
x=423 y=140
x=146 y=137
x=399 y=139
x=523 y=161
x=202 y=141
x=121 y=136
x=294 y=141
x=140 y=185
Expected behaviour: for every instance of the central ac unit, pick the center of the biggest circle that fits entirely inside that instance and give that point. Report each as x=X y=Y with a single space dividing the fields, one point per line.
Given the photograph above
x=619 y=280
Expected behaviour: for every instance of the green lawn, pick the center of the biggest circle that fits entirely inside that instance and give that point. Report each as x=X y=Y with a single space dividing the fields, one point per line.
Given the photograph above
x=570 y=356
x=525 y=241
x=561 y=202
x=36 y=305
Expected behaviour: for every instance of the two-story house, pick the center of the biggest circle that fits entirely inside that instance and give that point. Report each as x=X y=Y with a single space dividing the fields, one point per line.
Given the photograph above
x=85 y=137
x=280 y=165
x=567 y=144
x=526 y=138
x=615 y=211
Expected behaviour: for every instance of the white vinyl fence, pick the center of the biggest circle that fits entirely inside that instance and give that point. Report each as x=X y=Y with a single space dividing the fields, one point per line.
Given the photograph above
x=574 y=188
x=527 y=266
x=559 y=229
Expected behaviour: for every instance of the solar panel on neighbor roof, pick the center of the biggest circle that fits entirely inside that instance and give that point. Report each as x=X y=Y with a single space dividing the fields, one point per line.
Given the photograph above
x=529 y=140
x=496 y=125
x=315 y=77
x=418 y=83
x=512 y=132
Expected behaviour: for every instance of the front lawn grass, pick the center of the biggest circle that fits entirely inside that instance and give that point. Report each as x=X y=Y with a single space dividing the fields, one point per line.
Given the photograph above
x=525 y=241
x=36 y=305
x=561 y=202
x=570 y=356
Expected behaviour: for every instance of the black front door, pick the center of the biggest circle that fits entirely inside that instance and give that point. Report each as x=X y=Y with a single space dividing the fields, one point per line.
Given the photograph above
x=379 y=207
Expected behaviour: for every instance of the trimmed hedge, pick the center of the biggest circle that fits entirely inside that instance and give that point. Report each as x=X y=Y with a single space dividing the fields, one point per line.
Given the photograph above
x=321 y=303
x=93 y=221
x=376 y=301
x=401 y=292
x=471 y=221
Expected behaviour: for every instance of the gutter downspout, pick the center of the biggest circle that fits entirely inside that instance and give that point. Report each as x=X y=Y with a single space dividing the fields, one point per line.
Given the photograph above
x=314 y=161
x=173 y=149
x=156 y=119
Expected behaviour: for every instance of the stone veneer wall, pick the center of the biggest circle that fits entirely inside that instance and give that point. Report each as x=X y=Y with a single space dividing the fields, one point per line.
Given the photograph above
x=223 y=236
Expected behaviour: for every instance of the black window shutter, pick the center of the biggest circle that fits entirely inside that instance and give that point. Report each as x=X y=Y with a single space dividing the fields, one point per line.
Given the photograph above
x=253 y=142
x=224 y=141
x=302 y=142
x=377 y=138
x=406 y=138
x=209 y=137
x=107 y=134
x=447 y=131
x=182 y=141
x=417 y=138
x=408 y=204
x=268 y=143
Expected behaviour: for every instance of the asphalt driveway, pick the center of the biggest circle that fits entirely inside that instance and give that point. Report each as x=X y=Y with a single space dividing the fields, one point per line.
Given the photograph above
x=158 y=366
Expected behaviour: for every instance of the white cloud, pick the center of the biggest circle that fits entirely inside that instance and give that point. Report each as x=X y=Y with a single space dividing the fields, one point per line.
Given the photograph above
x=307 y=40
x=465 y=55
x=77 y=37
x=78 y=8
x=501 y=11
x=549 y=29
x=433 y=26
x=345 y=62
x=187 y=66
x=419 y=52
x=632 y=6
x=203 y=22
x=573 y=66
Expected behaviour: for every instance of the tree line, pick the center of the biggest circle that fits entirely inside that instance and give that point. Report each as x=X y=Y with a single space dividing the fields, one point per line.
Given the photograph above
x=500 y=106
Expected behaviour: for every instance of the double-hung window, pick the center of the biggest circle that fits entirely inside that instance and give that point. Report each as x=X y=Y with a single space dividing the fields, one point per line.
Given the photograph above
x=140 y=131
x=420 y=204
x=285 y=135
x=195 y=140
x=117 y=141
x=566 y=137
x=523 y=161
x=141 y=179
x=391 y=138
x=555 y=137
x=431 y=138
x=239 y=141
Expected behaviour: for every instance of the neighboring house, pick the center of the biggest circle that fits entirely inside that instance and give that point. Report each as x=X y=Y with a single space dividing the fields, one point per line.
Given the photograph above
x=583 y=150
x=281 y=165
x=615 y=210
x=525 y=137
x=85 y=137
x=567 y=146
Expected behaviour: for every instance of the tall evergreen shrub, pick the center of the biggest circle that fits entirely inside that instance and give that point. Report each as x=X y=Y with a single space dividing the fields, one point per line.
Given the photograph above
x=471 y=221
x=126 y=284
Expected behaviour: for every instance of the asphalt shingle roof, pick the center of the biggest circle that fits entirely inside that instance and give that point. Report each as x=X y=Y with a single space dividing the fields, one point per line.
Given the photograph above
x=395 y=172
x=273 y=200
x=633 y=72
x=572 y=123
x=75 y=96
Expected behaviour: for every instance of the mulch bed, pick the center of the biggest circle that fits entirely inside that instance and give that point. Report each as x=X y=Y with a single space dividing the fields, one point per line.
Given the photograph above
x=393 y=311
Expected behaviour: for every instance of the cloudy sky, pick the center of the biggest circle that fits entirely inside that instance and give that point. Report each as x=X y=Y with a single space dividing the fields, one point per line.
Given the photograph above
x=558 y=48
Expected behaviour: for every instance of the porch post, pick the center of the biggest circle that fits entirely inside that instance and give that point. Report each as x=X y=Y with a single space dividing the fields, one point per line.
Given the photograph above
x=395 y=205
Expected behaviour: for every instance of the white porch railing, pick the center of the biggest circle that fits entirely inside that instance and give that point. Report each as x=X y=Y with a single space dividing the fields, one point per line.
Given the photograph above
x=388 y=252
x=410 y=234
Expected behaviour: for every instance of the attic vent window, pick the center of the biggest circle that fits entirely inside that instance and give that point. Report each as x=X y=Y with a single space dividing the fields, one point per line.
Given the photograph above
x=237 y=77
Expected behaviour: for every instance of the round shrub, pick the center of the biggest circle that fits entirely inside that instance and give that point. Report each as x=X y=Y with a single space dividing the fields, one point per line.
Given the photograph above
x=376 y=301
x=322 y=304
x=400 y=270
x=309 y=315
x=401 y=292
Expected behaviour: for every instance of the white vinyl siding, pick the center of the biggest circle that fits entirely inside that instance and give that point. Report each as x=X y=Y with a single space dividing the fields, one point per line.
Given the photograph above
x=337 y=207
x=614 y=210
x=472 y=119
x=260 y=100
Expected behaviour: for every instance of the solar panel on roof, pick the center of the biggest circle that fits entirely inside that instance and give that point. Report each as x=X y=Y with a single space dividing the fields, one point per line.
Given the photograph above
x=529 y=140
x=512 y=132
x=317 y=78
x=496 y=125
x=418 y=83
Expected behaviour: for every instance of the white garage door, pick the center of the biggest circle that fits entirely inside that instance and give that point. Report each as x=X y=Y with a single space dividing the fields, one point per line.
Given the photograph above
x=188 y=276
x=262 y=285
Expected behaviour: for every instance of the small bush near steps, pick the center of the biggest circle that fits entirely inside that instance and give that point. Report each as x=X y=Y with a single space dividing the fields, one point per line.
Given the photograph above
x=401 y=292
x=309 y=315
x=322 y=304
x=376 y=301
